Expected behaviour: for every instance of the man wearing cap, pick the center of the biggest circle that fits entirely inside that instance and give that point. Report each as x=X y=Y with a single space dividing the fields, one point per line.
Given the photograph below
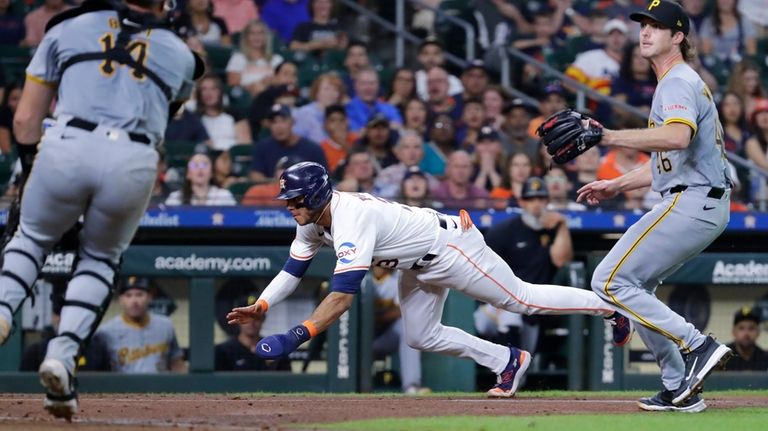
x=138 y=340
x=596 y=68
x=474 y=79
x=551 y=100
x=687 y=168
x=442 y=142
x=534 y=245
x=746 y=329
x=517 y=117
x=489 y=159
x=280 y=143
x=430 y=54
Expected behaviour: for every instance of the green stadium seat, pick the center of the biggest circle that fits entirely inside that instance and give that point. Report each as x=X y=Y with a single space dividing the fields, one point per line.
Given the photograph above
x=241 y=156
x=239 y=189
x=218 y=57
x=6 y=170
x=178 y=153
x=14 y=60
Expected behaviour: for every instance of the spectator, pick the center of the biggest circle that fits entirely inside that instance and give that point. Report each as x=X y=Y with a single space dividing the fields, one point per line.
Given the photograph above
x=252 y=66
x=222 y=127
x=534 y=245
x=283 y=90
x=517 y=116
x=198 y=188
x=283 y=16
x=596 y=68
x=635 y=83
x=378 y=139
x=755 y=11
x=138 y=340
x=321 y=33
x=12 y=30
x=456 y=190
x=222 y=169
x=327 y=90
x=749 y=356
x=735 y=135
x=11 y=97
x=409 y=151
x=472 y=120
x=494 y=99
x=540 y=44
x=618 y=161
x=696 y=11
x=559 y=189
x=35 y=21
x=340 y=139
x=187 y=126
x=281 y=142
x=359 y=172
x=488 y=159
x=365 y=105
x=757 y=148
x=442 y=142
x=551 y=100
x=95 y=357
x=439 y=100
x=745 y=82
x=587 y=165
x=474 y=79
x=430 y=55
x=389 y=335
x=263 y=194
x=519 y=169
x=403 y=89
x=414 y=189
x=726 y=35
x=415 y=116
x=235 y=13
x=355 y=60
x=198 y=20
x=239 y=353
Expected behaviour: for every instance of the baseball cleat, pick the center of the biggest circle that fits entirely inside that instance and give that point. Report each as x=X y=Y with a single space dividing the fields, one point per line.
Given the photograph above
x=698 y=365
x=5 y=330
x=662 y=402
x=622 y=328
x=61 y=396
x=507 y=381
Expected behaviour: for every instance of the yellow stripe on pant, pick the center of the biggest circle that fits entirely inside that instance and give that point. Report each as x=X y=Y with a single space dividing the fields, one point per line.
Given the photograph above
x=607 y=291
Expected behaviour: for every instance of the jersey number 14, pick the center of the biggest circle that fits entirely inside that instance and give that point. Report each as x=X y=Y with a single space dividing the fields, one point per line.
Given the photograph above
x=138 y=49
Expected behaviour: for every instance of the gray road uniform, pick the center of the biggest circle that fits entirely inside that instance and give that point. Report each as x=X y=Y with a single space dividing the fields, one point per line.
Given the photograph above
x=97 y=159
x=148 y=348
x=694 y=210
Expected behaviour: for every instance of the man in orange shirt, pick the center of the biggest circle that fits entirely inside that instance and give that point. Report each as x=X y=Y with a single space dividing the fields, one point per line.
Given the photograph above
x=340 y=139
x=264 y=194
x=552 y=100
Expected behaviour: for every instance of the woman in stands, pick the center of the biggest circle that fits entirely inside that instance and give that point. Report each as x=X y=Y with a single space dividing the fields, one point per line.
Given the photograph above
x=745 y=82
x=327 y=89
x=635 y=84
x=519 y=168
x=726 y=35
x=251 y=67
x=757 y=150
x=198 y=20
x=494 y=98
x=403 y=89
x=198 y=188
x=223 y=129
x=415 y=117
x=321 y=33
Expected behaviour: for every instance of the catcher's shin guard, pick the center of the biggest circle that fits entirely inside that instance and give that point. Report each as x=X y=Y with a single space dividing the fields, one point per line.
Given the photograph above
x=21 y=265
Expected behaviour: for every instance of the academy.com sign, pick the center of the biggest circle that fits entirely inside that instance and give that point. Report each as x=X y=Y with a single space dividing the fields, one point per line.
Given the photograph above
x=223 y=265
x=740 y=273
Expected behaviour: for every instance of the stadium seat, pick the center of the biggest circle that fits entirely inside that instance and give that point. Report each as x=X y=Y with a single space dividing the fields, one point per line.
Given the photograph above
x=239 y=189
x=14 y=60
x=178 y=153
x=218 y=57
x=6 y=170
x=241 y=155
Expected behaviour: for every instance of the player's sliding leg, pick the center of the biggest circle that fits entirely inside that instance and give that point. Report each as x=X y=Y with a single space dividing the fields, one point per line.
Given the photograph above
x=422 y=308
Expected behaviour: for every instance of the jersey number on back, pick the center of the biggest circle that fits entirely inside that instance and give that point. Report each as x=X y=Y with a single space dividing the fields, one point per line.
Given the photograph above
x=138 y=49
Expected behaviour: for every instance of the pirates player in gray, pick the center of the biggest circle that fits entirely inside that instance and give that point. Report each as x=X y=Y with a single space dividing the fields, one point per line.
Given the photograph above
x=688 y=169
x=115 y=70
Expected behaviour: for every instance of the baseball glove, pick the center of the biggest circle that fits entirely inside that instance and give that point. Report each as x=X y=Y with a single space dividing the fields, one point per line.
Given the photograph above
x=568 y=133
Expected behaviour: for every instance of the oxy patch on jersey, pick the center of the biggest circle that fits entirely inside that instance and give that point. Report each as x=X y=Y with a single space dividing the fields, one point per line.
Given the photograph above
x=347 y=253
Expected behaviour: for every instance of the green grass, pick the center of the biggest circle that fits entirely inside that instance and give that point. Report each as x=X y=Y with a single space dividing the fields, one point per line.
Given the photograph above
x=714 y=420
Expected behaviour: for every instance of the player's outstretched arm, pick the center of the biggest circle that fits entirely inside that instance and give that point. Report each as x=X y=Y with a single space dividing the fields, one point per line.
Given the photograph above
x=600 y=190
x=668 y=137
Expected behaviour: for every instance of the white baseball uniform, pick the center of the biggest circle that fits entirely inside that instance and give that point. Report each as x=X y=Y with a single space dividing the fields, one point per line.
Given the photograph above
x=435 y=254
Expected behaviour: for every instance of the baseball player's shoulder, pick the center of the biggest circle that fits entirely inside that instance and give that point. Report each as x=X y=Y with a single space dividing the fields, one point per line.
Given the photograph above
x=351 y=206
x=160 y=321
x=110 y=325
x=87 y=7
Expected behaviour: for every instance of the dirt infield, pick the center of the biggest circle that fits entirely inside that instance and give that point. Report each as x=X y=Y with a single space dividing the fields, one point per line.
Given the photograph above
x=23 y=412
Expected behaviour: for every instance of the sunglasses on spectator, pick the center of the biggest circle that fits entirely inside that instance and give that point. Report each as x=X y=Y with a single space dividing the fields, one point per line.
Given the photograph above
x=198 y=165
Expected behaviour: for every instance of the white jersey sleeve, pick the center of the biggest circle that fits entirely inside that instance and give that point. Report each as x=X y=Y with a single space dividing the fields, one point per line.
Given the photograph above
x=308 y=241
x=354 y=244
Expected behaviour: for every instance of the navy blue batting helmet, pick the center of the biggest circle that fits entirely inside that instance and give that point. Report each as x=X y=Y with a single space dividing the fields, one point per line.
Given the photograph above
x=308 y=179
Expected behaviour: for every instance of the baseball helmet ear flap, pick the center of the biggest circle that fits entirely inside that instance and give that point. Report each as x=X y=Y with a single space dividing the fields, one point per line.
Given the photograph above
x=306 y=179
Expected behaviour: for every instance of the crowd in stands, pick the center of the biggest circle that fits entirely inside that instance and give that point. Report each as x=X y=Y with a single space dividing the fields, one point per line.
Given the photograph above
x=308 y=80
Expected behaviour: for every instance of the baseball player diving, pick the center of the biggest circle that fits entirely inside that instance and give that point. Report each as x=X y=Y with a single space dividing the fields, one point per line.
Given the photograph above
x=115 y=69
x=688 y=169
x=435 y=253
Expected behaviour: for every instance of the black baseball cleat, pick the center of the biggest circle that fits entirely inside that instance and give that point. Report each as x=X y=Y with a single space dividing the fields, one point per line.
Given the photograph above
x=662 y=402
x=698 y=365
x=622 y=328
x=61 y=395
